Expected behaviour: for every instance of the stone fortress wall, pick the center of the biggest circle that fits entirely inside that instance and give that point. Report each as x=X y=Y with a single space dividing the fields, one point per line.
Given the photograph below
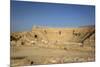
x=53 y=36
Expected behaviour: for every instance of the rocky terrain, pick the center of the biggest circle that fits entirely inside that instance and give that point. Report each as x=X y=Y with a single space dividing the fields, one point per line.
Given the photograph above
x=52 y=46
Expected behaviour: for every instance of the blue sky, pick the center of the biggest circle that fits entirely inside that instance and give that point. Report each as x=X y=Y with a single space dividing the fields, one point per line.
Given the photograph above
x=26 y=14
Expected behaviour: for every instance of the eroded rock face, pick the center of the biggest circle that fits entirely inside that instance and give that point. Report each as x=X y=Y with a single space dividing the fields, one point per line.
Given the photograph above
x=27 y=38
x=15 y=37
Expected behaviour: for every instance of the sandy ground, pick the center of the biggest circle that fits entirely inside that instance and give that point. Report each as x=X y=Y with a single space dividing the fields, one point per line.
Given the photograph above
x=36 y=56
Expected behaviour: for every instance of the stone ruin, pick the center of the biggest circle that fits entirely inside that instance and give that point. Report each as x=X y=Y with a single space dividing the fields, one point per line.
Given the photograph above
x=44 y=45
x=48 y=37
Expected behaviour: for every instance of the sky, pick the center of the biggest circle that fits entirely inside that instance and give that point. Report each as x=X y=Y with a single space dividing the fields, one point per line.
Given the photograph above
x=25 y=15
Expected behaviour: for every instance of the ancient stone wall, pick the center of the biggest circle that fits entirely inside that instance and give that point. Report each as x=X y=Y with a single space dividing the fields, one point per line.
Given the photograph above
x=48 y=36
